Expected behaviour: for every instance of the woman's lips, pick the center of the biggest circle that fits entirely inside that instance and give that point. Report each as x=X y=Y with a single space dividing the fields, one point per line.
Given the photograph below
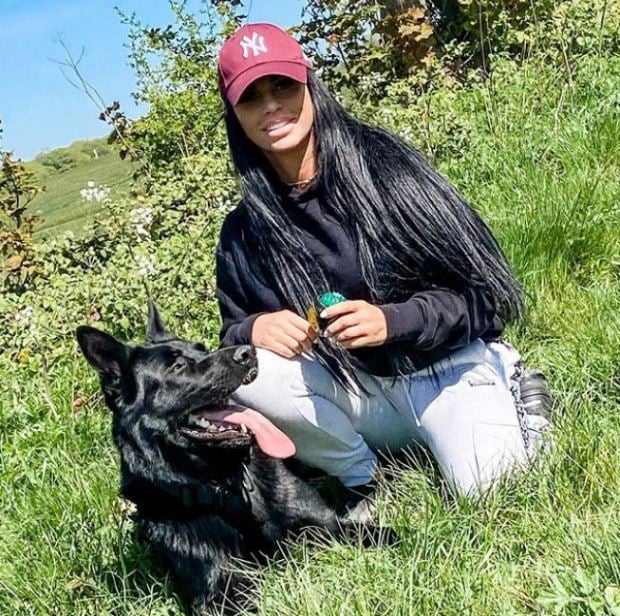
x=279 y=128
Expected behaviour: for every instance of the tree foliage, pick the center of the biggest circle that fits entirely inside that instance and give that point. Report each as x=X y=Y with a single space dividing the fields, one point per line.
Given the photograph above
x=17 y=189
x=176 y=74
x=366 y=45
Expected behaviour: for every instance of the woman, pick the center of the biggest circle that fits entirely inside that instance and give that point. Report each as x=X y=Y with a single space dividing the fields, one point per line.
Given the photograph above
x=332 y=205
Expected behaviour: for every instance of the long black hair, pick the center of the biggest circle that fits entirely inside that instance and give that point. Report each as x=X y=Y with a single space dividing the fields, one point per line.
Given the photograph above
x=412 y=229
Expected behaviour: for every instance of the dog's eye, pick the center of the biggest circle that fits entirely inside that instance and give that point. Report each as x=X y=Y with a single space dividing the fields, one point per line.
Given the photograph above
x=200 y=347
x=181 y=363
x=178 y=366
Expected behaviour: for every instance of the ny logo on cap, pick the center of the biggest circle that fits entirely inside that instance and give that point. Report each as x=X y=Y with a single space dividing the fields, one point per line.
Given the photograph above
x=256 y=44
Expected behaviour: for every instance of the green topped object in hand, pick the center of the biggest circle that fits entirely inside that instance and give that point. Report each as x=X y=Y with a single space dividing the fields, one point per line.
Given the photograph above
x=324 y=301
x=330 y=298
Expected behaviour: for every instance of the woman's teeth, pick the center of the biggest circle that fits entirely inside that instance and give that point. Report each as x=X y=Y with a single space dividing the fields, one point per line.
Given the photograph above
x=277 y=125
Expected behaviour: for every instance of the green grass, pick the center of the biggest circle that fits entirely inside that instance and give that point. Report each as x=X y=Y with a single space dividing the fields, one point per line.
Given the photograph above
x=542 y=163
x=60 y=205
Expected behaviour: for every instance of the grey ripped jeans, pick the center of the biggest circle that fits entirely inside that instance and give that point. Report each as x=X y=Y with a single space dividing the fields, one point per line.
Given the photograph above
x=468 y=415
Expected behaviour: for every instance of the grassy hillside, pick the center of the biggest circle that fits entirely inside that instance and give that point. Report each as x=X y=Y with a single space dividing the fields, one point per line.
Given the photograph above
x=539 y=156
x=60 y=205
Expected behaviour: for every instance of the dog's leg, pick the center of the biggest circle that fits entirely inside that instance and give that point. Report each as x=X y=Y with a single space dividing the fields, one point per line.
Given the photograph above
x=301 y=508
x=284 y=500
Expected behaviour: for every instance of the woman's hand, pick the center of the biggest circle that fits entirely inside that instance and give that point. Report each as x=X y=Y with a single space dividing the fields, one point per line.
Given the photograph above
x=357 y=324
x=283 y=332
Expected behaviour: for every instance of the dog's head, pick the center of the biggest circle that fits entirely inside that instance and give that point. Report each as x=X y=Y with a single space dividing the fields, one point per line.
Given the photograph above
x=170 y=396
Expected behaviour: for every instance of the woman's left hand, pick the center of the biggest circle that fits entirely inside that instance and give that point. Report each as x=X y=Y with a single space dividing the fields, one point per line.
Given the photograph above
x=356 y=324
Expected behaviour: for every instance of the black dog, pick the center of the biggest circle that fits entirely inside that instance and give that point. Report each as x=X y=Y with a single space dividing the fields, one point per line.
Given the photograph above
x=205 y=476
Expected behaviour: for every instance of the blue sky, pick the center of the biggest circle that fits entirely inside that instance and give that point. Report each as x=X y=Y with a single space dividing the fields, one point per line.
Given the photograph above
x=39 y=108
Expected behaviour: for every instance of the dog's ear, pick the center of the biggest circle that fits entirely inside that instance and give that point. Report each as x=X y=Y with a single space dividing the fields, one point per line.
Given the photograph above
x=155 y=328
x=104 y=352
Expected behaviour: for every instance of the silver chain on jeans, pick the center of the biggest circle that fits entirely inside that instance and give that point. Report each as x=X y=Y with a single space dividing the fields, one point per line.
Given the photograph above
x=515 y=389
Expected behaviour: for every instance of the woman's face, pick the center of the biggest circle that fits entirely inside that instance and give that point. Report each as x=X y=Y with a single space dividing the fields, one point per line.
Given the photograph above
x=276 y=113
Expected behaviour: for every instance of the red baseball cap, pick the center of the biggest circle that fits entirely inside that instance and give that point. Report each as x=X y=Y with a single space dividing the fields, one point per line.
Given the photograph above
x=256 y=50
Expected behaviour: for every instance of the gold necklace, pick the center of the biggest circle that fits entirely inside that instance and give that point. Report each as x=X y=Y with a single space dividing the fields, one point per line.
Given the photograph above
x=303 y=183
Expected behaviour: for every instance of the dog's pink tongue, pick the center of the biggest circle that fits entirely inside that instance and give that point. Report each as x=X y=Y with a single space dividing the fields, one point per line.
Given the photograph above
x=270 y=439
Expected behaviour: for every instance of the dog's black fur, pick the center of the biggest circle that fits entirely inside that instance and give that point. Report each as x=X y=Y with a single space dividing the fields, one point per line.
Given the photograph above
x=200 y=501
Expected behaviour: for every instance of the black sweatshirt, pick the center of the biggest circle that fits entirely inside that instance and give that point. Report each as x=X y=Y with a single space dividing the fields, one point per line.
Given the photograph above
x=427 y=327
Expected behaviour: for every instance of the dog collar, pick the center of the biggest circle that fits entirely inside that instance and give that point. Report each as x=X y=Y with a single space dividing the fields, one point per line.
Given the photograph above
x=165 y=501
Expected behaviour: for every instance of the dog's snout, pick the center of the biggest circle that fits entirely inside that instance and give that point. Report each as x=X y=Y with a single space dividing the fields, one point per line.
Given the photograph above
x=245 y=355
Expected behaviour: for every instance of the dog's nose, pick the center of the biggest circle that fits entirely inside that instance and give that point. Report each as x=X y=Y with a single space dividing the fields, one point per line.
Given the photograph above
x=245 y=355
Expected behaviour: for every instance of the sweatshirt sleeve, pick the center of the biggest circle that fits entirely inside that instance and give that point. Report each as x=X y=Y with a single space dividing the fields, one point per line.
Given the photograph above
x=237 y=312
x=237 y=320
x=441 y=316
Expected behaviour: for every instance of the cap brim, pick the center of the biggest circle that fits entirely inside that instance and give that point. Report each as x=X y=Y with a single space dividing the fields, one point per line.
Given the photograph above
x=294 y=70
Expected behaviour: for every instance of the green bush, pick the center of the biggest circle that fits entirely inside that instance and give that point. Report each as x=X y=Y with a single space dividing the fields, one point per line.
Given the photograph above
x=58 y=160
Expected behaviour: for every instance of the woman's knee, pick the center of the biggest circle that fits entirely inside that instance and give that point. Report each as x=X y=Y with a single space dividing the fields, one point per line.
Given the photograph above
x=272 y=366
x=272 y=391
x=474 y=431
x=281 y=383
x=298 y=376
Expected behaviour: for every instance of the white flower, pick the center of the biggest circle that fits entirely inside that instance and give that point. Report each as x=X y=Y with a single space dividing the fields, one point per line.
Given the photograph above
x=93 y=192
x=140 y=232
x=25 y=316
x=26 y=321
x=141 y=219
x=146 y=266
x=142 y=215
x=223 y=204
x=406 y=133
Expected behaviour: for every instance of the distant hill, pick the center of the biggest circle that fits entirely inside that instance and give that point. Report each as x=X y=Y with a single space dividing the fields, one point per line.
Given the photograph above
x=64 y=172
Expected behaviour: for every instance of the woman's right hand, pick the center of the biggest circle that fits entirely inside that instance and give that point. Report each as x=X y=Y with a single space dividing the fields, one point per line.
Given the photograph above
x=283 y=332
